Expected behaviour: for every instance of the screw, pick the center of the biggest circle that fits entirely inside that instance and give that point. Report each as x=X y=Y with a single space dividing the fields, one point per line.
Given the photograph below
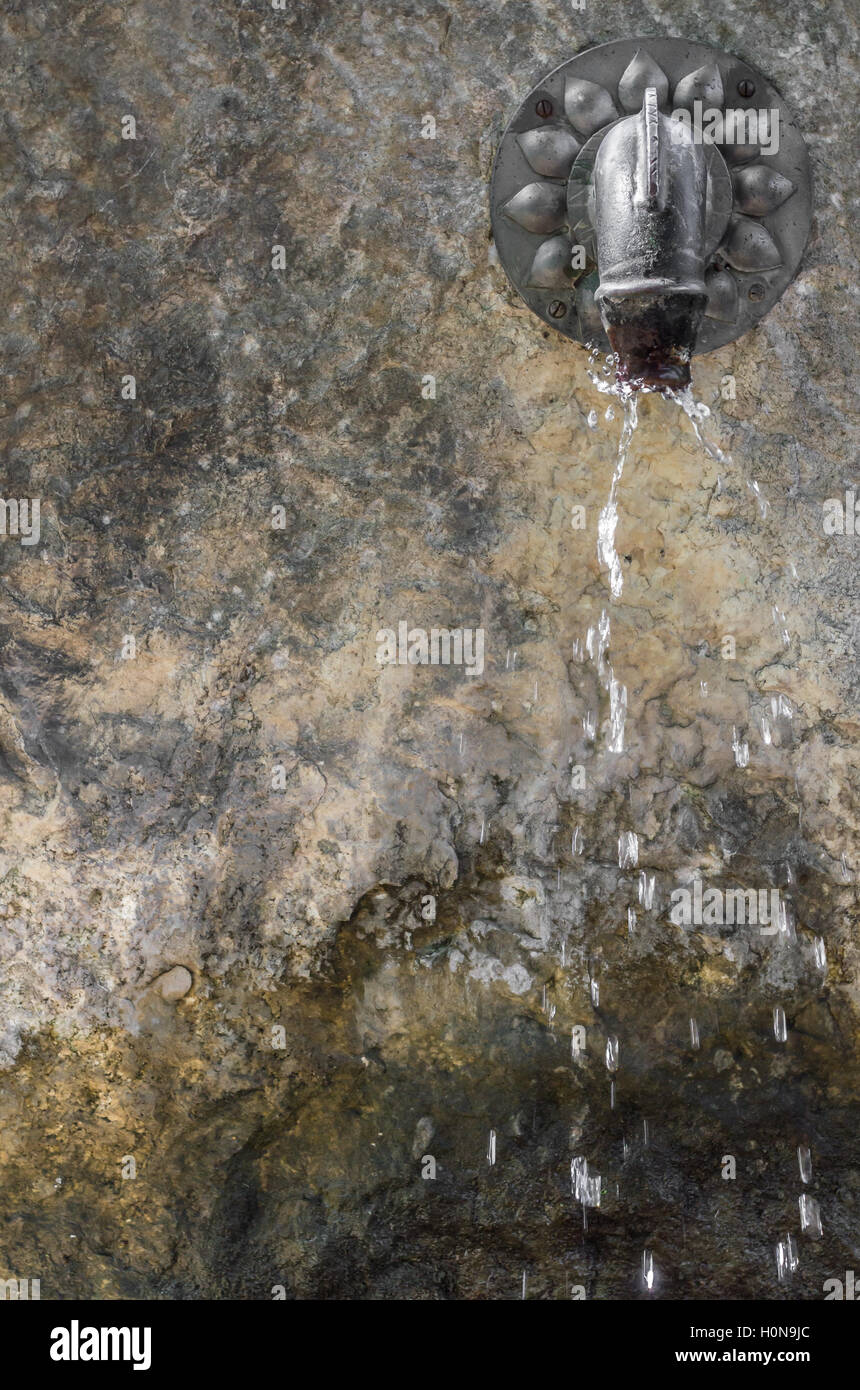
x=756 y=291
x=544 y=108
x=557 y=309
x=746 y=88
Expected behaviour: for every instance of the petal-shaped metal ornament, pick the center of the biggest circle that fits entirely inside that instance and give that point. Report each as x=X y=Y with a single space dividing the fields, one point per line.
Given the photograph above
x=749 y=246
x=550 y=150
x=740 y=154
x=642 y=72
x=588 y=106
x=704 y=85
x=539 y=207
x=551 y=266
x=722 y=290
x=760 y=190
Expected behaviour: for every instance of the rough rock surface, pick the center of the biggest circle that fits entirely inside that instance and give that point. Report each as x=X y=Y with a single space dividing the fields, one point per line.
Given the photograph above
x=242 y=791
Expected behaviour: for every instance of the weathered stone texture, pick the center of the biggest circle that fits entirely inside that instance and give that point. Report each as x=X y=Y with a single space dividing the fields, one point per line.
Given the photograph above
x=252 y=798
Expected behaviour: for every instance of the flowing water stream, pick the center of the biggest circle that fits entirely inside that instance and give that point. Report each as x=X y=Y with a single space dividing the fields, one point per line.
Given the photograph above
x=587 y=1188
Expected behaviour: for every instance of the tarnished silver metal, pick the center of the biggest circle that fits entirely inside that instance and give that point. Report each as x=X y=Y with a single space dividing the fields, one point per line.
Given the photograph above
x=561 y=207
x=650 y=185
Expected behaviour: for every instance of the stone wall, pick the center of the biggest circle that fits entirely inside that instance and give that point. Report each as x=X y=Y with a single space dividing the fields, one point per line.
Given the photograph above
x=280 y=922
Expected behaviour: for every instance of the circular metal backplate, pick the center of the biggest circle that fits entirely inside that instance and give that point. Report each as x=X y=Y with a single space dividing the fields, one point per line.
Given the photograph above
x=759 y=196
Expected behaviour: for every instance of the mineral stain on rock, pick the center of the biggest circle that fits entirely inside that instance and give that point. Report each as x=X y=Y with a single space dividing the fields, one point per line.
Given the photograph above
x=368 y=868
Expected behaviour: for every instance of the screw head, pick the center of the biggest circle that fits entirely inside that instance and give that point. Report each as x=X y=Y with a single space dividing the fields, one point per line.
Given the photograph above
x=544 y=108
x=557 y=309
x=746 y=88
x=756 y=291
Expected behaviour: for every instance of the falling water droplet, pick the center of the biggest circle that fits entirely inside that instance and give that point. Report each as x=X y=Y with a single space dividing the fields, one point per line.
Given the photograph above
x=703 y=689
x=617 y=715
x=585 y=1188
x=785 y=921
x=595 y=993
x=524 y=1284
x=631 y=921
x=648 y=1273
x=612 y=1095
x=592 y=419
x=481 y=837
x=612 y=1053
x=645 y=1133
x=765 y=730
x=779 y=622
x=846 y=872
x=646 y=890
x=804 y=1162
x=577 y=1041
x=608 y=519
x=694 y=1035
x=780 y=1027
x=578 y=650
x=491 y=1148
x=787 y=1258
x=810 y=1215
x=609 y=413
x=576 y=844
x=628 y=849
x=589 y=725
x=820 y=954
x=741 y=749
x=761 y=500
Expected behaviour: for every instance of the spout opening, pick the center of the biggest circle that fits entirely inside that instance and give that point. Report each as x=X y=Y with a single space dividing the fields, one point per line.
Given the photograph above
x=653 y=335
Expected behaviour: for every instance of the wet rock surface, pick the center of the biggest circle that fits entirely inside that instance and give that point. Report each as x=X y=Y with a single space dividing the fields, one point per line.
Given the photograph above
x=390 y=897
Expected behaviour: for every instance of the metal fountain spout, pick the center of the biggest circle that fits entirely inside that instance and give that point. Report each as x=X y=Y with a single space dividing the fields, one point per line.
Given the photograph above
x=651 y=197
x=650 y=182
